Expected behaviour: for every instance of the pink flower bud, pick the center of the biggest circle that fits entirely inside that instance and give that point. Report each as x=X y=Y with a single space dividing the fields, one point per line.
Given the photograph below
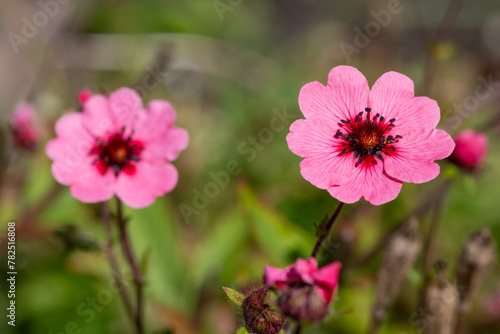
x=84 y=95
x=260 y=317
x=304 y=290
x=24 y=132
x=470 y=149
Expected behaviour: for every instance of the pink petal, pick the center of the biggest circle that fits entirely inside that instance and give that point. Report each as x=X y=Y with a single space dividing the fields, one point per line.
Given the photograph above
x=97 y=117
x=392 y=96
x=124 y=106
x=70 y=150
x=274 y=275
x=345 y=95
x=327 y=279
x=148 y=182
x=92 y=187
x=158 y=116
x=168 y=146
x=314 y=140
x=305 y=268
x=369 y=181
x=414 y=158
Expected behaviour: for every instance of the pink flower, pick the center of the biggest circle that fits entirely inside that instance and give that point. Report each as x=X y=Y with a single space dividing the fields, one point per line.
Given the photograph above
x=358 y=142
x=470 y=149
x=306 y=291
x=25 y=133
x=116 y=147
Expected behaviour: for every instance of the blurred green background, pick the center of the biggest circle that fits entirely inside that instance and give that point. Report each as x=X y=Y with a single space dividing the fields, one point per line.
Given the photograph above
x=233 y=70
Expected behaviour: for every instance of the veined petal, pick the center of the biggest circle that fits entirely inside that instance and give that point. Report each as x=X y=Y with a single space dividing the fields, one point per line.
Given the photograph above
x=415 y=154
x=345 y=95
x=392 y=96
x=323 y=165
x=369 y=181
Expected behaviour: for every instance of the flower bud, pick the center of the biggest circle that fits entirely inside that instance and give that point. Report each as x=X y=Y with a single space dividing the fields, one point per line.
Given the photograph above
x=84 y=95
x=259 y=315
x=24 y=132
x=302 y=302
x=470 y=149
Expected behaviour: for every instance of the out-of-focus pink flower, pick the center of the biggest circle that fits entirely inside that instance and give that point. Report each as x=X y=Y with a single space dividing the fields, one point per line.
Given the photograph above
x=116 y=147
x=358 y=142
x=24 y=131
x=471 y=148
x=492 y=304
x=306 y=291
x=84 y=96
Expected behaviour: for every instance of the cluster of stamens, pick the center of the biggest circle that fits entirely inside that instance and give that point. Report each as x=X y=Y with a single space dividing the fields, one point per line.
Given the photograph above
x=118 y=153
x=365 y=136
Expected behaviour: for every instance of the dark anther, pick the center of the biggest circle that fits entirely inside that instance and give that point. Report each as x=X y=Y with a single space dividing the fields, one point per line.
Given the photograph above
x=378 y=154
x=368 y=109
x=399 y=136
x=382 y=118
x=393 y=148
x=344 y=150
x=392 y=120
x=390 y=137
x=343 y=121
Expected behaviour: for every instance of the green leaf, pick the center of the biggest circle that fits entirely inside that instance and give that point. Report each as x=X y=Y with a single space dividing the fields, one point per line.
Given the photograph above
x=242 y=330
x=235 y=296
x=276 y=235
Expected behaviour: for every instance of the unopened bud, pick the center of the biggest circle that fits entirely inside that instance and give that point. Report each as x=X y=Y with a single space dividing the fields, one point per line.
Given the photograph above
x=259 y=314
x=302 y=303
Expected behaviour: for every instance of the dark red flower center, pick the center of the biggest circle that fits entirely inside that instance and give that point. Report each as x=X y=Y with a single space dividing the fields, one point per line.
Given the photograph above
x=366 y=136
x=118 y=153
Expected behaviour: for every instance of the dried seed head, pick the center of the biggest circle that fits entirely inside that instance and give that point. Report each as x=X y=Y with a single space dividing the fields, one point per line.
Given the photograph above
x=400 y=255
x=477 y=259
x=260 y=317
x=441 y=302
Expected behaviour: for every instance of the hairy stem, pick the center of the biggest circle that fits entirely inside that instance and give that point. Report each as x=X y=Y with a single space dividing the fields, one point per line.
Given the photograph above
x=298 y=329
x=132 y=262
x=324 y=231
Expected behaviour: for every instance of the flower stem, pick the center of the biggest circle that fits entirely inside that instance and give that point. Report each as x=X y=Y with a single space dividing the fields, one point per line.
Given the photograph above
x=129 y=255
x=106 y=221
x=298 y=329
x=375 y=327
x=324 y=231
